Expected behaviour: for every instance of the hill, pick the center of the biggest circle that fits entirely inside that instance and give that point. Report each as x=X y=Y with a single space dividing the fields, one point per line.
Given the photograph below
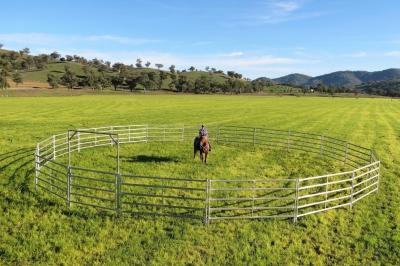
x=348 y=79
x=293 y=79
x=389 y=88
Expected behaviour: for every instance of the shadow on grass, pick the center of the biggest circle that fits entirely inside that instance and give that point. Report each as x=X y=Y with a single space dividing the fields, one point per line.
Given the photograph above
x=18 y=168
x=150 y=159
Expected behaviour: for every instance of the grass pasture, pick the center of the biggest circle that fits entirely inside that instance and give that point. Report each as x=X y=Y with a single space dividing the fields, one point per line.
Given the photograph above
x=38 y=230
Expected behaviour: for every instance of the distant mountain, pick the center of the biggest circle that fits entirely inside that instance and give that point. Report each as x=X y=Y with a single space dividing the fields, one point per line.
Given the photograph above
x=348 y=79
x=264 y=79
x=293 y=79
x=340 y=78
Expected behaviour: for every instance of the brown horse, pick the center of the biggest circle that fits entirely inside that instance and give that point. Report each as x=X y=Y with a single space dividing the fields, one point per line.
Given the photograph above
x=205 y=147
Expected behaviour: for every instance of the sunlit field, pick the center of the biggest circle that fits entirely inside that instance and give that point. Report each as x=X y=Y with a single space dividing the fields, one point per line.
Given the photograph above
x=36 y=229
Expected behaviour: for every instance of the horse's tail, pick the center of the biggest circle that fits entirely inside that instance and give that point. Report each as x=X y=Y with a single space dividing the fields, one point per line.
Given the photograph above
x=196 y=143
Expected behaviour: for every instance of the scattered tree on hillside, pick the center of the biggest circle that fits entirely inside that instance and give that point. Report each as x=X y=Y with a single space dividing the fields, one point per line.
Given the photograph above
x=117 y=81
x=118 y=67
x=155 y=80
x=145 y=81
x=103 y=82
x=91 y=79
x=233 y=74
x=3 y=78
x=17 y=78
x=24 y=51
x=132 y=82
x=159 y=66
x=192 y=68
x=147 y=64
x=55 y=56
x=53 y=80
x=163 y=76
x=1 y=45
x=202 y=84
x=180 y=84
x=138 y=63
x=69 y=78
x=69 y=58
x=172 y=69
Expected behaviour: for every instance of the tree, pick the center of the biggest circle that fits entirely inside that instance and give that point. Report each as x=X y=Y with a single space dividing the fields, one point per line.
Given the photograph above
x=118 y=67
x=3 y=78
x=147 y=64
x=17 y=78
x=55 y=56
x=1 y=45
x=69 y=78
x=138 y=63
x=132 y=82
x=145 y=81
x=202 y=84
x=163 y=76
x=207 y=68
x=117 y=81
x=69 y=58
x=159 y=66
x=53 y=80
x=24 y=51
x=155 y=78
x=174 y=78
x=172 y=69
x=102 y=82
x=91 y=79
x=192 y=68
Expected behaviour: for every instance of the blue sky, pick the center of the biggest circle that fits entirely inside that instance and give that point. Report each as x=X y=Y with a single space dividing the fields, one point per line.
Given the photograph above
x=257 y=38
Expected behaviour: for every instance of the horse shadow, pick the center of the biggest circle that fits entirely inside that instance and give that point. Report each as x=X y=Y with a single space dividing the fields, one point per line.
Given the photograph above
x=150 y=159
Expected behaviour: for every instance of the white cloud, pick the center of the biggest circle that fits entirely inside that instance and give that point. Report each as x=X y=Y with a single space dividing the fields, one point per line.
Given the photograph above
x=233 y=54
x=286 y=6
x=393 y=54
x=277 y=11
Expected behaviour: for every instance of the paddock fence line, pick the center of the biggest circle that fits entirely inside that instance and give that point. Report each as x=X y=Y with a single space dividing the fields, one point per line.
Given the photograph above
x=205 y=199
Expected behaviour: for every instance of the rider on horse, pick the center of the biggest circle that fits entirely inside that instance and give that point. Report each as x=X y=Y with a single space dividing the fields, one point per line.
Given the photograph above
x=203 y=133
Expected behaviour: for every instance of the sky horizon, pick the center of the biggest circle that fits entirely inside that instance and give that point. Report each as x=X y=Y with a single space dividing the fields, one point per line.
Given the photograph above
x=266 y=38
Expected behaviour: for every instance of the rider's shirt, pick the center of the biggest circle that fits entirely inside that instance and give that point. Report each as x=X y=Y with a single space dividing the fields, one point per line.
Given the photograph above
x=203 y=132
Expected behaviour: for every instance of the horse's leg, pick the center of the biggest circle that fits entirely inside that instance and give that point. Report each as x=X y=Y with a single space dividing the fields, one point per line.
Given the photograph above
x=205 y=157
x=201 y=156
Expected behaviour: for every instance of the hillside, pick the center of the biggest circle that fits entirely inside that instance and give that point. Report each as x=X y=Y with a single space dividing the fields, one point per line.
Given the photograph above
x=293 y=79
x=33 y=71
x=389 y=88
x=57 y=68
x=348 y=79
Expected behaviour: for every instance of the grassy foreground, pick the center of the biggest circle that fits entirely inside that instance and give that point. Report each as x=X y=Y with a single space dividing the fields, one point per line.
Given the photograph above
x=35 y=230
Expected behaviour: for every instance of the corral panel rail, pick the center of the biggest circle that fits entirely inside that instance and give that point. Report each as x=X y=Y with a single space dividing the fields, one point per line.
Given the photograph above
x=206 y=199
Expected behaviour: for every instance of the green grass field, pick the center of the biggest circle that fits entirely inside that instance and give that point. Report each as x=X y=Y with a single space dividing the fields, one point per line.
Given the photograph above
x=38 y=230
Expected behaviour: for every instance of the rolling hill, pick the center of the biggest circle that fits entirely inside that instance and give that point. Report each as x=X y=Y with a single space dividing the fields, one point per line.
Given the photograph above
x=348 y=79
x=389 y=88
x=293 y=79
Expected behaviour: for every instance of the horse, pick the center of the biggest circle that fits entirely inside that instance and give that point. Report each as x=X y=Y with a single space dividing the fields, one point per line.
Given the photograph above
x=205 y=147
